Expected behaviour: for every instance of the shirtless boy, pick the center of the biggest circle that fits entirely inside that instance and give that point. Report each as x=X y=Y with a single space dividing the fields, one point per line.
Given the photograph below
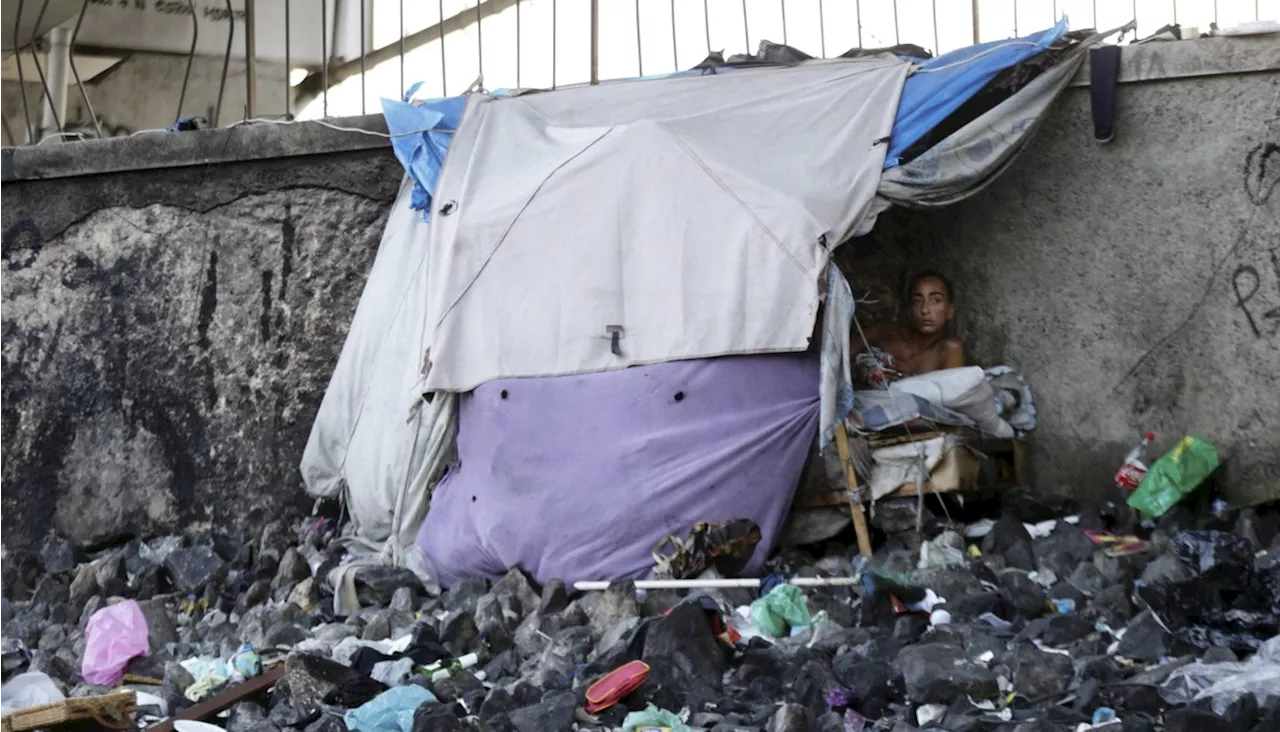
x=919 y=346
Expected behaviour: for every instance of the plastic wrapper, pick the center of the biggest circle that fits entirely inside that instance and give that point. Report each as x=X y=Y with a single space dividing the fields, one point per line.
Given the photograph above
x=390 y=711
x=1223 y=683
x=780 y=610
x=28 y=690
x=651 y=717
x=115 y=635
x=1174 y=476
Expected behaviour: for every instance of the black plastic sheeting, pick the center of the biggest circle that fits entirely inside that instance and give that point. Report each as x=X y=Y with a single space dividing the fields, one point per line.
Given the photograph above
x=1230 y=602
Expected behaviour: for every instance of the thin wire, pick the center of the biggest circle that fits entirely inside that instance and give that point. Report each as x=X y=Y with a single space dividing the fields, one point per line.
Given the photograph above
x=48 y=98
x=362 y=57
x=191 y=56
x=324 y=56
x=22 y=82
x=746 y=30
x=782 y=5
x=639 y=49
x=675 y=49
x=75 y=72
x=226 y=62
x=444 y=77
x=479 y=40
x=822 y=27
x=288 y=90
x=706 y=24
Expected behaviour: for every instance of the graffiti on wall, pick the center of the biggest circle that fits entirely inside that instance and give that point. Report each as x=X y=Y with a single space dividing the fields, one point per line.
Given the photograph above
x=1247 y=283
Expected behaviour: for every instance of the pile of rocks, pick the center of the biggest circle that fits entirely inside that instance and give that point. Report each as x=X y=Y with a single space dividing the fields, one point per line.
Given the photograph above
x=1001 y=658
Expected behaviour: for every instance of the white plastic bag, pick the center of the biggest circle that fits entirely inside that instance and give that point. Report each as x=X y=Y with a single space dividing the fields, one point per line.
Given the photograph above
x=28 y=690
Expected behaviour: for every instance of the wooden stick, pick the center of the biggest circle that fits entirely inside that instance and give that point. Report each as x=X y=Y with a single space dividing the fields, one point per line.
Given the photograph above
x=225 y=700
x=851 y=483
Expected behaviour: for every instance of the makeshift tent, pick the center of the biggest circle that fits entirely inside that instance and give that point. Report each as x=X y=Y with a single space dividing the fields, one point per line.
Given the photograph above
x=591 y=253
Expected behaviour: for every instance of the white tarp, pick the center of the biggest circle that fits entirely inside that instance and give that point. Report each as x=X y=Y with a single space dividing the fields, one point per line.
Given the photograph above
x=369 y=444
x=693 y=214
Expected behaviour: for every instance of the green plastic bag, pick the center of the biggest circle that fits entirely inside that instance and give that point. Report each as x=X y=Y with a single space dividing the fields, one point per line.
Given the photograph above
x=1174 y=476
x=780 y=610
x=653 y=718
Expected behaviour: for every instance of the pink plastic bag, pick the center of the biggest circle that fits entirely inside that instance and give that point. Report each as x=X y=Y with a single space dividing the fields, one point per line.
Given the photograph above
x=115 y=635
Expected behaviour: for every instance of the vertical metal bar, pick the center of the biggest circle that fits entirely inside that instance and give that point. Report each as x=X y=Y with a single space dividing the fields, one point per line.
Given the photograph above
x=324 y=57
x=977 y=32
x=517 y=43
x=444 y=78
x=22 y=82
x=288 y=67
x=822 y=26
x=59 y=56
x=402 y=46
x=186 y=77
x=858 y=7
x=1015 y=18
x=706 y=24
x=76 y=72
x=362 y=54
x=48 y=98
x=251 y=60
x=1095 y=13
x=897 y=37
x=595 y=41
x=479 y=41
x=782 y=5
x=1215 y=12
x=746 y=30
x=226 y=62
x=1055 y=10
x=1135 y=19
x=675 y=50
x=1174 y=3
x=554 y=28
x=639 y=47
x=937 y=47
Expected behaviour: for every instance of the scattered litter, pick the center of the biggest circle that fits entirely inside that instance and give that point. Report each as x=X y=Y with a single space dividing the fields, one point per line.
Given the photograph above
x=1223 y=683
x=1072 y=519
x=1063 y=605
x=939 y=618
x=945 y=550
x=778 y=612
x=995 y=621
x=1174 y=476
x=1042 y=529
x=653 y=719
x=1118 y=545
x=1104 y=715
x=1043 y=577
x=28 y=690
x=986 y=658
x=390 y=711
x=1218 y=508
x=979 y=529
x=392 y=673
x=1134 y=467
x=1051 y=649
x=116 y=634
x=616 y=686
x=191 y=725
x=927 y=713
x=853 y=722
x=973 y=552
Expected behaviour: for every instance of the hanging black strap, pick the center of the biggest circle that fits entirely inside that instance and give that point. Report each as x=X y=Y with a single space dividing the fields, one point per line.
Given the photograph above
x=1104 y=76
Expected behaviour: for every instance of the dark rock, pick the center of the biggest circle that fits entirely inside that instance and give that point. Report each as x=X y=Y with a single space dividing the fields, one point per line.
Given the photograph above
x=314 y=680
x=791 y=718
x=909 y=627
x=685 y=637
x=148 y=583
x=499 y=701
x=1022 y=596
x=376 y=584
x=257 y=594
x=1087 y=579
x=283 y=713
x=517 y=592
x=1036 y=673
x=550 y=715
x=27 y=627
x=971 y=607
x=1166 y=568
x=403 y=600
x=1009 y=539
x=1111 y=606
x=249 y=717
x=875 y=684
x=1144 y=639
x=616 y=604
x=176 y=682
x=292 y=569
x=58 y=556
x=190 y=569
x=458 y=631
x=1219 y=654
x=284 y=634
x=555 y=597
x=1240 y=714
x=51 y=590
x=327 y=723
x=437 y=718
x=492 y=624
x=160 y=628
x=937 y=673
x=379 y=627
x=84 y=585
x=52 y=639
x=501 y=666
x=1064 y=630
x=1137 y=723
x=465 y=594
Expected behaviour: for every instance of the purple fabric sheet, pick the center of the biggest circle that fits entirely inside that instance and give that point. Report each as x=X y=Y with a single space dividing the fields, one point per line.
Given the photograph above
x=578 y=477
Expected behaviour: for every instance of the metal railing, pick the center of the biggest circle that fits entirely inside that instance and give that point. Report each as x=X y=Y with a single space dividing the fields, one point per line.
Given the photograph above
x=797 y=18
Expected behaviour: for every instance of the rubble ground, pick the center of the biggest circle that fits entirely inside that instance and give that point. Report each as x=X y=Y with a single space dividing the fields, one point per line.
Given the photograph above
x=1040 y=629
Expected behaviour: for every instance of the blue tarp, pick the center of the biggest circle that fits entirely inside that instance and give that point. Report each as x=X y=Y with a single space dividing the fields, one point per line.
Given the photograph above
x=420 y=137
x=944 y=83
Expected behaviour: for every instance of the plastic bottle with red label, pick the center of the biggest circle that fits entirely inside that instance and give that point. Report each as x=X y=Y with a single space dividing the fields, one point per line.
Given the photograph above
x=1135 y=465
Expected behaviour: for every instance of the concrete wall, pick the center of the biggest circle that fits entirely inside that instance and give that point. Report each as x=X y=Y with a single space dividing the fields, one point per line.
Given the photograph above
x=1136 y=283
x=142 y=91
x=169 y=329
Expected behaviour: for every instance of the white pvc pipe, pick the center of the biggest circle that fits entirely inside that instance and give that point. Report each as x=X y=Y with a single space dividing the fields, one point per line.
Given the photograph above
x=711 y=584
